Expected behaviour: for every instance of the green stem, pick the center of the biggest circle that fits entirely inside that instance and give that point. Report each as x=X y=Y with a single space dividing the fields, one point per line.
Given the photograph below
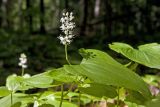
x=66 y=53
x=11 y=98
x=106 y=101
x=70 y=88
x=60 y=105
x=22 y=72
x=118 y=97
x=22 y=76
x=79 y=99
x=62 y=90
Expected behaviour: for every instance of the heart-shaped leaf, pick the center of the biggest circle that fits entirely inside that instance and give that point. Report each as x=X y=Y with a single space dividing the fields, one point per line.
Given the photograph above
x=148 y=54
x=103 y=69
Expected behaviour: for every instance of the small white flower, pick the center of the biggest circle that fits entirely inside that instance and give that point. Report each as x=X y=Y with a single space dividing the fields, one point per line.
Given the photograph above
x=67 y=28
x=23 y=61
x=67 y=13
x=62 y=20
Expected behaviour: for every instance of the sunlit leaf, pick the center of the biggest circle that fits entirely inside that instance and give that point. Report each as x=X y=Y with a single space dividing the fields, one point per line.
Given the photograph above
x=61 y=75
x=4 y=91
x=103 y=69
x=148 y=54
x=6 y=101
x=39 y=81
x=99 y=90
x=13 y=82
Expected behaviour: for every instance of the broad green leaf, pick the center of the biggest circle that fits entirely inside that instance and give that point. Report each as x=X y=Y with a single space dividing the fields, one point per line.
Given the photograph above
x=50 y=97
x=99 y=90
x=13 y=82
x=39 y=81
x=46 y=105
x=64 y=104
x=61 y=75
x=47 y=95
x=154 y=102
x=18 y=104
x=6 y=101
x=103 y=69
x=148 y=54
x=4 y=91
x=135 y=97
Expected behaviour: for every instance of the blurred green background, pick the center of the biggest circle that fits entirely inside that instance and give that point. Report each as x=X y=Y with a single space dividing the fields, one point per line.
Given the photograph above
x=32 y=27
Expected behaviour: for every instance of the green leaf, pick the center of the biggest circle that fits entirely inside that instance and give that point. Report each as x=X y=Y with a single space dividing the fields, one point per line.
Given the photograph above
x=131 y=104
x=152 y=80
x=13 y=82
x=135 y=97
x=154 y=102
x=61 y=75
x=39 y=81
x=46 y=105
x=4 y=91
x=6 y=101
x=148 y=54
x=64 y=104
x=85 y=99
x=99 y=90
x=18 y=104
x=47 y=95
x=103 y=69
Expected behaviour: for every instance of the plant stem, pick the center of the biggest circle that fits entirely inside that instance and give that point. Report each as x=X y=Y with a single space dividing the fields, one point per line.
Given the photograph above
x=70 y=88
x=11 y=98
x=66 y=53
x=22 y=76
x=62 y=90
x=22 y=72
x=79 y=99
x=60 y=105
x=118 y=97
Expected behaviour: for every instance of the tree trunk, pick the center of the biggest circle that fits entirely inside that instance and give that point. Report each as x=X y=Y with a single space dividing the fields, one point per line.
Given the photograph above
x=85 y=16
x=20 y=14
x=9 y=8
x=108 y=18
x=1 y=13
x=4 y=13
x=29 y=16
x=97 y=8
x=66 y=4
x=148 y=19
x=42 y=14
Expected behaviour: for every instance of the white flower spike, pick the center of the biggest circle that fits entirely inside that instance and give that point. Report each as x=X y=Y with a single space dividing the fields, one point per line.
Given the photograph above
x=23 y=61
x=67 y=28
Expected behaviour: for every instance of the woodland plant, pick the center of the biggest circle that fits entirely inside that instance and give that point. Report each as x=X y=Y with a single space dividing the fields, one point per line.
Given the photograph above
x=23 y=62
x=67 y=28
x=97 y=78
